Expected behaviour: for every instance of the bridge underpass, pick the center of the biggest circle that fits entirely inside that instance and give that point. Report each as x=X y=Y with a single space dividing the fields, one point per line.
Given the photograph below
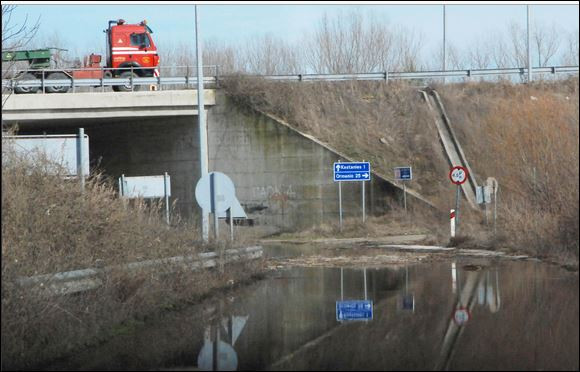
x=283 y=178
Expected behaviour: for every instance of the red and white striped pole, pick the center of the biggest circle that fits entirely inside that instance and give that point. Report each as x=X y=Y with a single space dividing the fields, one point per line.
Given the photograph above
x=452 y=220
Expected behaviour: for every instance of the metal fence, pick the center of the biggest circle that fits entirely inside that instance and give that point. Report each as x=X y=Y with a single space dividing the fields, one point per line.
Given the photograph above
x=183 y=80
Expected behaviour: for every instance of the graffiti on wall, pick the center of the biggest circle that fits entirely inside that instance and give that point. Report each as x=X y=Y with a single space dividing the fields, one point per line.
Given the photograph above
x=277 y=196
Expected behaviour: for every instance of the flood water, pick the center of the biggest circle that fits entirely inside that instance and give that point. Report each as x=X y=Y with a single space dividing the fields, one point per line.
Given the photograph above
x=461 y=314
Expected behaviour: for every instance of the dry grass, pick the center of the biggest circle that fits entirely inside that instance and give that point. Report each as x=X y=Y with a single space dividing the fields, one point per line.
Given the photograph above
x=524 y=136
x=527 y=138
x=394 y=222
x=49 y=226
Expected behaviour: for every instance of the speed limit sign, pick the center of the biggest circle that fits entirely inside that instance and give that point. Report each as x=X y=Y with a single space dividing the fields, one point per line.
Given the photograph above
x=458 y=175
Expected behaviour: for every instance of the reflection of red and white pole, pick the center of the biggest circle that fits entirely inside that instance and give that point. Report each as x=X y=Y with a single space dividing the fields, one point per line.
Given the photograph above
x=452 y=220
x=453 y=277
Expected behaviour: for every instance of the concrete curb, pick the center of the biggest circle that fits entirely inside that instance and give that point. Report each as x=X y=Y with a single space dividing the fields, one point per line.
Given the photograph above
x=386 y=239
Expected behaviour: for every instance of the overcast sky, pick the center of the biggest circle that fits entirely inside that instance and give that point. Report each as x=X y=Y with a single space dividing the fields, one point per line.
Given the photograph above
x=80 y=26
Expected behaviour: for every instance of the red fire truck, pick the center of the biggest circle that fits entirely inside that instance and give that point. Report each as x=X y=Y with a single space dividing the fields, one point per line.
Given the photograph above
x=131 y=53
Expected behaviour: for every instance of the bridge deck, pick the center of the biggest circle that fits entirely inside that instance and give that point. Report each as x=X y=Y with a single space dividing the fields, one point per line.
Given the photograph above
x=24 y=108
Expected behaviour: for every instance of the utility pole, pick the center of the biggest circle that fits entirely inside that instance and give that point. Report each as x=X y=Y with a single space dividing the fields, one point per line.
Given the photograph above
x=529 y=48
x=203 y=153
x=444 y=49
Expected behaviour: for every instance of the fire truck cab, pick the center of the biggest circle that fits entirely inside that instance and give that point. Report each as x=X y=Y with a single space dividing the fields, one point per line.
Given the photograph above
x=131 y=51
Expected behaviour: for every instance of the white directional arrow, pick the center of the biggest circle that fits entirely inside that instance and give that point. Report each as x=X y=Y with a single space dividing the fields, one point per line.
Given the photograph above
x=365 y=175
x=337 y=167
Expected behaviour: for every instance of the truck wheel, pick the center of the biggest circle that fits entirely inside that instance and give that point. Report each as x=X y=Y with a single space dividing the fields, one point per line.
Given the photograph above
x=27 y=76
x=127 y=88
x=57 y=88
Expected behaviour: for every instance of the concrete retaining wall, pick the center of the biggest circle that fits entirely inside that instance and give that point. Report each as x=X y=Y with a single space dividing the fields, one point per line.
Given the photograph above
x=283 y=178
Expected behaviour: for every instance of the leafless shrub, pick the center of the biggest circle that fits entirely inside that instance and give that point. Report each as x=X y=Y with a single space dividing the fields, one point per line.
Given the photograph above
x=49 y=226
x=527 y=138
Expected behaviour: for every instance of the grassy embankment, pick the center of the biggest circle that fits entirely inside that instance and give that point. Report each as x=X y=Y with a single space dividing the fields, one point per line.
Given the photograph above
x=49 y=226
x=524 y=136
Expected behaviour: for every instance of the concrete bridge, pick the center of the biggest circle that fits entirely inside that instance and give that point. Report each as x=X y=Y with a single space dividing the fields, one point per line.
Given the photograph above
x=39 y=109
x=283 y=178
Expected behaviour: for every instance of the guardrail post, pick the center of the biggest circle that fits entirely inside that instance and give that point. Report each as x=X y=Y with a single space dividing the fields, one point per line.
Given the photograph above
x=73 y=83
x=42 y=82
x=131 y=78
x=217 y=76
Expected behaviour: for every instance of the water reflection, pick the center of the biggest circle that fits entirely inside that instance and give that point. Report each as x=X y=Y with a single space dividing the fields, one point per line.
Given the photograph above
x=219 y=339
x=353 y=310
x=407 y=298
x=477 y=285
x=451 y=315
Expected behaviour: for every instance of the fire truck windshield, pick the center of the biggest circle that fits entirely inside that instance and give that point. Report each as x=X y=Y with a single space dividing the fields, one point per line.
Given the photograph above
x=140 y=40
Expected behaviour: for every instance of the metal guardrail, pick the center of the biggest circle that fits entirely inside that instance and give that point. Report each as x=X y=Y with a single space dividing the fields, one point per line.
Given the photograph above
x=102 y=77
x=214 y=79
x=83 y=280
x=423 y=74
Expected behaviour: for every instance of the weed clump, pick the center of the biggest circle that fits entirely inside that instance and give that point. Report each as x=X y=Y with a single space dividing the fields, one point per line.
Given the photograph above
x=49 y=225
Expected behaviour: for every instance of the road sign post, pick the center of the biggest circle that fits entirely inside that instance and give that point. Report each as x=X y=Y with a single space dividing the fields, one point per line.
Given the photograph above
x=452 y=222
x=457 y=197
x=351 y=172
x=363 y=202
x=215 y=192
x=458 y=175
x=147 y=187
x=404 y=174
x=340 y=204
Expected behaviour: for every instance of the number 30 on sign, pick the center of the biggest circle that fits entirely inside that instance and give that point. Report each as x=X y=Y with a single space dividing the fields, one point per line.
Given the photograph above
x=458 y=175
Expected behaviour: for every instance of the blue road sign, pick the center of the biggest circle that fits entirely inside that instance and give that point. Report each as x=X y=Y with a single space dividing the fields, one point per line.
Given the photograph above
x=354 y=310
x=352 y=171
x=403 y=173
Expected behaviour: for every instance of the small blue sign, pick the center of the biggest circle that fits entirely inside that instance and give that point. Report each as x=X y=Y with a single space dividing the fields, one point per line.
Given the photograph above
x=352 y=171
x=354 y=310
x=403 y=173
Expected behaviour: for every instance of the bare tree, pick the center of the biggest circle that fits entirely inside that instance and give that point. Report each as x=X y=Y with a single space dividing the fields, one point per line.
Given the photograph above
x=228 y=58
x=480 y=54
x=269 y=55
x=571 y=54
x=14 y=36
x=455 y=59
x=517 y=55
x=350 y=43
x=546 y=42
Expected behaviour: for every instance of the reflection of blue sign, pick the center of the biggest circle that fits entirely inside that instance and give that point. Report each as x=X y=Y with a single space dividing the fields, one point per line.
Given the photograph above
x=408 y=302
x=403 y=173
x=354 y=310
x=352 y=171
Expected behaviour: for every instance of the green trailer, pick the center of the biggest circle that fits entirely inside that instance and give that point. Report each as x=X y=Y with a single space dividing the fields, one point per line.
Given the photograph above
x=37 y=59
